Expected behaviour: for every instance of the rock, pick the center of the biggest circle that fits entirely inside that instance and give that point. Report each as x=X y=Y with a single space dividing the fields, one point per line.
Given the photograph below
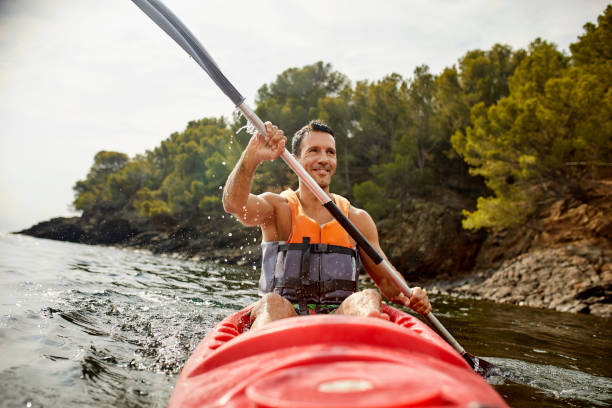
x=428 y=242
x=60 y=229
x=572 y=278
x=113 y=231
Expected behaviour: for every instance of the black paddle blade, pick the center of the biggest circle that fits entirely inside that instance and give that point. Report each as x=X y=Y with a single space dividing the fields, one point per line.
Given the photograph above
x=486 y=369
x=483 y=367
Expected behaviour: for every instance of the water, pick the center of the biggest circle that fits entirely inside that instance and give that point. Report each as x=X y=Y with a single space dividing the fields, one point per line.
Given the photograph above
x=93 y=326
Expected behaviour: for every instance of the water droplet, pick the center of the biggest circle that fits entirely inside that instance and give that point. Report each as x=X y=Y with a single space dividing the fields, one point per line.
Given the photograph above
x=249 y=127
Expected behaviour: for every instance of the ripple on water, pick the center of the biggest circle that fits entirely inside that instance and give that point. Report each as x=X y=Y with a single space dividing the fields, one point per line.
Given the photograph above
x=559 y=383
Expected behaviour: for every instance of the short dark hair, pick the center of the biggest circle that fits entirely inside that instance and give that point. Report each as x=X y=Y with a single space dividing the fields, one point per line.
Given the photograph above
x=315 y=125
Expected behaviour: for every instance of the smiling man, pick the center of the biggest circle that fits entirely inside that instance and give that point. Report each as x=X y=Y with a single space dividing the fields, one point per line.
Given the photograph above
x=310 y=264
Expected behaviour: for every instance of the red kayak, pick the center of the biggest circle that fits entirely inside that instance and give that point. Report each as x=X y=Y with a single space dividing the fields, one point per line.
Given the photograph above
x=328 y=361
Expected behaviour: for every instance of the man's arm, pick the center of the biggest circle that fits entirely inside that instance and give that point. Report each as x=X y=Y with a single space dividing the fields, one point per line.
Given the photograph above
x=238 y=200
x=418 y=300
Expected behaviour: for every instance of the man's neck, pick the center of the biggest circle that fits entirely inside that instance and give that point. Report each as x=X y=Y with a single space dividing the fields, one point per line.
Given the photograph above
x=312 y=206
x=306 y=196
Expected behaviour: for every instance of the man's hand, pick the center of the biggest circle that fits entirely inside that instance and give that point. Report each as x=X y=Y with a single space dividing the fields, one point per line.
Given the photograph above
x=418 y=300
x=252 y=209
x=268 y=147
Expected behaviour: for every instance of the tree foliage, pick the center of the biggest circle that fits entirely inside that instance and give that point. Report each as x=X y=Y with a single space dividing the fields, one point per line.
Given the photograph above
x=182 y=178
x=515 y=127
x=95 y=190
x=551 y=132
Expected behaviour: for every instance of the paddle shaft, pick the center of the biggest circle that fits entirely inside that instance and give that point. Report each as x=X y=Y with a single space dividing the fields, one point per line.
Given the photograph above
x=167 y=21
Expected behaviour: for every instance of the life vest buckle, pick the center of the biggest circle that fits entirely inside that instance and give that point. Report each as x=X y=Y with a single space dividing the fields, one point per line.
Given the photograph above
x=307 y=288
x=319 y=248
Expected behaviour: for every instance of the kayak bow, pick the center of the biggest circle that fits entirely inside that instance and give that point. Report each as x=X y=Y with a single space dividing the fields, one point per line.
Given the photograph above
x=329 y=361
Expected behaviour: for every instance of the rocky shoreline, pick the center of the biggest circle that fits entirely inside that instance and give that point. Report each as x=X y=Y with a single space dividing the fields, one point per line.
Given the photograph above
x=562 y=260
x=573 y=278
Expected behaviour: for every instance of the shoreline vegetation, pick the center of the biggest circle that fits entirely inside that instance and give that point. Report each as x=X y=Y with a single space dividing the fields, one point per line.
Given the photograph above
x=492 y=179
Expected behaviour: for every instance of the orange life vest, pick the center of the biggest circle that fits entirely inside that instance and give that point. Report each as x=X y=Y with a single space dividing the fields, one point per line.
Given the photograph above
x=302 y=225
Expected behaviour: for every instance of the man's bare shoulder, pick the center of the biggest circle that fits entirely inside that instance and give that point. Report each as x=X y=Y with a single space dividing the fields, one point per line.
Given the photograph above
x=358 y=214
x=274 y=198
x=279 y=204
x=362 y=220
x=277 y=227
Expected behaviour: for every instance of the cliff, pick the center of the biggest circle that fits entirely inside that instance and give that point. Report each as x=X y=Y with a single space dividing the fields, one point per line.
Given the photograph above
x=561 y=260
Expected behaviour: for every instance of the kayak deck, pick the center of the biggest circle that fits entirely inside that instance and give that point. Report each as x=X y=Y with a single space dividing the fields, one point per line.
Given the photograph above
x=329 y=361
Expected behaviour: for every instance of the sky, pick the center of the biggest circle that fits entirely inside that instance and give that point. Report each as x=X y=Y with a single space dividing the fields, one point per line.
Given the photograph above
x=81 y=76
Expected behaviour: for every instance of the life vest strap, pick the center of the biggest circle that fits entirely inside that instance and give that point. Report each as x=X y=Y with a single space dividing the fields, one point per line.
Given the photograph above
x=306 y=288
x=317 y=248
x=310 y=288
x=306 y=285
x=331 y=285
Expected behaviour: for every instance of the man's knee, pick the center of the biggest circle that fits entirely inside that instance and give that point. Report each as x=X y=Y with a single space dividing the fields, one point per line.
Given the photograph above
x=367 y=303
x=269 y=308
x=371 y=294
x=275 y=301
x=366 y=295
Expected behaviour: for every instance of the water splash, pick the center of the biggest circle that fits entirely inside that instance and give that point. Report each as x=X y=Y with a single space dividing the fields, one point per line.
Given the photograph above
x=249 y=127
x=557 y=382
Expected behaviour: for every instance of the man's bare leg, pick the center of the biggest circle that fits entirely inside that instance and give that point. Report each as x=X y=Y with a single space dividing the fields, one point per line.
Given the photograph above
x=269 y=308
x=367 y=303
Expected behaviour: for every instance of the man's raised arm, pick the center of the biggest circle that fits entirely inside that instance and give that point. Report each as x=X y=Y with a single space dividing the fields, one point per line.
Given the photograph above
x=238 y=200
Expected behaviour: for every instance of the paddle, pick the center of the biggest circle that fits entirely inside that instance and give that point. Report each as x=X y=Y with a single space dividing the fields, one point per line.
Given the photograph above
x=168 y=22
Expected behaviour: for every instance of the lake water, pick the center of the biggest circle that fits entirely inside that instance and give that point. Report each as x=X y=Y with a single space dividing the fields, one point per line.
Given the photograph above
x=92 y=326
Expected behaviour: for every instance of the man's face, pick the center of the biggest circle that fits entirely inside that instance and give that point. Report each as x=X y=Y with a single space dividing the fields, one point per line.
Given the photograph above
x=318 y=156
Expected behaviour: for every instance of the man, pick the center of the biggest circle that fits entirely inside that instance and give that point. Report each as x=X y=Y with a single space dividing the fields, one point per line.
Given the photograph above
x=309 y=261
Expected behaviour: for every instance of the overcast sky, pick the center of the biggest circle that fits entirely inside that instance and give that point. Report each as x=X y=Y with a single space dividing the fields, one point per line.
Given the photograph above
x=80 y=76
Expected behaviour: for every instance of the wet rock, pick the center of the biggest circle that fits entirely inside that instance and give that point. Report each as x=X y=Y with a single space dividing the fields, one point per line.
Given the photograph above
x=572 y=278
x=428 y=242
x=60 y=229
x=113 y=231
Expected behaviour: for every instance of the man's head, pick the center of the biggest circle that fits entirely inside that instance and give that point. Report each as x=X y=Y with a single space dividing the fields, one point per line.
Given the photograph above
x=315 y=125
x=314 y=147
